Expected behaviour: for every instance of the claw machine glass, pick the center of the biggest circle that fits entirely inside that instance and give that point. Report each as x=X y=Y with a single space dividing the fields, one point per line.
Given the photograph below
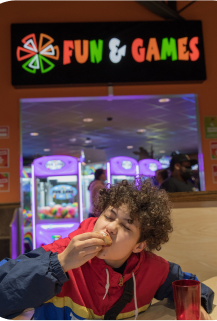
x=56 y=198
x=88 y=171
x=122 y=167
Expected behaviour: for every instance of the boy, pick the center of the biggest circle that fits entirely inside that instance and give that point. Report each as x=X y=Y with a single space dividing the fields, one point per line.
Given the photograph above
x=80 y=278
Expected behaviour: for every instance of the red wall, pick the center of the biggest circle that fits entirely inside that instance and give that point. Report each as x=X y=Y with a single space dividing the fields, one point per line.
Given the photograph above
x=66 y=11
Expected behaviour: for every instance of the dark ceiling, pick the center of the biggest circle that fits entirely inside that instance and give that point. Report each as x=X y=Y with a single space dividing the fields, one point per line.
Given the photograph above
x=59 y=122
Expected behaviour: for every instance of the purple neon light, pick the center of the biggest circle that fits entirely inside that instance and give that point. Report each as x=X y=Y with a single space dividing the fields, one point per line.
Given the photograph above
x=108 y=173
x=144 y=167
x=117 y=168
x=33 y=208
x=70 y=166
x=80 y=193
x=124 y=97
x=96 y=98
x=14 y=237
x=57 y=225
x=201 y=171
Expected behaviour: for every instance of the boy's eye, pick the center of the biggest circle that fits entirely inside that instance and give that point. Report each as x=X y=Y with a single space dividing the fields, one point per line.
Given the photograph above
x=108 y=218
x=126 y=227
x=112 y=219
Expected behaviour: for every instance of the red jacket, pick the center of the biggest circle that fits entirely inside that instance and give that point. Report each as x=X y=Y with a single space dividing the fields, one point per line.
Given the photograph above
x=85 y=296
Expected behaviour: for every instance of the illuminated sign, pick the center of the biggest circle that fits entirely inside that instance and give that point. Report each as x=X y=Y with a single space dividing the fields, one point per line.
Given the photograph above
x=152 y=167
x=127 y=164
x=54 y=164
x=165 y=161
x=63 y=192
x=107 y=52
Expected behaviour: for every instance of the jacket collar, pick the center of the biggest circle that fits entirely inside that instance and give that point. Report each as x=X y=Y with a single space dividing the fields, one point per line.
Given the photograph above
x=133 y=264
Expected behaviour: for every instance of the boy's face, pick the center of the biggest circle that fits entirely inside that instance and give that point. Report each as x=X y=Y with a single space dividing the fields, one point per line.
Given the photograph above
x=124 y=235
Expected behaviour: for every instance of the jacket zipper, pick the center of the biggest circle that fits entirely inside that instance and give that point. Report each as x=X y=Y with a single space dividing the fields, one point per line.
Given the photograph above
x=121 y=283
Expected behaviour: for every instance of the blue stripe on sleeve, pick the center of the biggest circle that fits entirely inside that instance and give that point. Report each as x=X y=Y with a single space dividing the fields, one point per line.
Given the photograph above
x=3 y=262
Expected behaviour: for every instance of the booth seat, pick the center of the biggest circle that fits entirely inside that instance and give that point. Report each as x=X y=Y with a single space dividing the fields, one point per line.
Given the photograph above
x=193 y=241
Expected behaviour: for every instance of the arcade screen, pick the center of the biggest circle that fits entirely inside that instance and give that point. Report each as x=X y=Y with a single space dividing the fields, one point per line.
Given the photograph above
x=57 y=197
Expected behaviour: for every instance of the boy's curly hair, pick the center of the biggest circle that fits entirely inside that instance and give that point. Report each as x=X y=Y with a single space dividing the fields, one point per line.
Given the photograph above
x=147 y=204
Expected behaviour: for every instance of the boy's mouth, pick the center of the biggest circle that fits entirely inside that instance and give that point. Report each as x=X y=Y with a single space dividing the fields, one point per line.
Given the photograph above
x=106 y=238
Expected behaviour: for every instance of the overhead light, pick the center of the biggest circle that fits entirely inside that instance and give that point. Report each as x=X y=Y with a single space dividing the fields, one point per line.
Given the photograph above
x=89 y=160
x=34 y=134
x=72 y=140
x=129 y=147
x=164 y=100
x=88 y=140
x=162 y=151
x=46 y=150
x=141 y=130
x=88 y=120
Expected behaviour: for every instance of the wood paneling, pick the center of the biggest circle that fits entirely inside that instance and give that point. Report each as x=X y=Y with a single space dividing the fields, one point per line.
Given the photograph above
x=6 y=216
x=193 y=242
x=5 y=248
x=208 y=196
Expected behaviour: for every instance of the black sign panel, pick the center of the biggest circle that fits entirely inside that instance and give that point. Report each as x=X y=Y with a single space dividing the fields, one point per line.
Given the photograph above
x=108 y=52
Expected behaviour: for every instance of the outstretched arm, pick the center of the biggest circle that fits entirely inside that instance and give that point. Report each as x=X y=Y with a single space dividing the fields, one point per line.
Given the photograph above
x=38 y=276
x=29 y=281
x=175 y=273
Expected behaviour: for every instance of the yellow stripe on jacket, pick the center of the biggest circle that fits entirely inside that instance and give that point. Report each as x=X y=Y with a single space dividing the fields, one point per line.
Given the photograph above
x=83 y=312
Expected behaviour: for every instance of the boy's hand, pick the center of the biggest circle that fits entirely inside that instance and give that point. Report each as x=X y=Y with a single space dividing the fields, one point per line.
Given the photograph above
x=204 y=316
x=81 y=249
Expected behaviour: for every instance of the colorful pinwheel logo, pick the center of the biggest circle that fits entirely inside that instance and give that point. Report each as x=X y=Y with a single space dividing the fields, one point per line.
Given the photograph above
x=38 y=54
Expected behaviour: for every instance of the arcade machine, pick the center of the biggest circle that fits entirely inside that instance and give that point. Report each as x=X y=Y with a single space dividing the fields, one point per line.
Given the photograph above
x=26 y=209
x=21 y=224
x=88 y=176
x=148 y=167
x=122 y=167
x=56 y=198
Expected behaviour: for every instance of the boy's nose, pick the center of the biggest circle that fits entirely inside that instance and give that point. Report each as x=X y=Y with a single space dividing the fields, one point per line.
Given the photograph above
x=112 y=227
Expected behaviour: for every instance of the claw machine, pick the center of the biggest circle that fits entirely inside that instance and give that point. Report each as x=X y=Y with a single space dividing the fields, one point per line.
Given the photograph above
x=122 y=167
x=56 y=198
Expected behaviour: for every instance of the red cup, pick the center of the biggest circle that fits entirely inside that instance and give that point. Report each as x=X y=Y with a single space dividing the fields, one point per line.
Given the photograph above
x=187 y=299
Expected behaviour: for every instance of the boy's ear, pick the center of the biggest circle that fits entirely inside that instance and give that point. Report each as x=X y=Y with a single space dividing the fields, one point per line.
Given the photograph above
x=139 y=247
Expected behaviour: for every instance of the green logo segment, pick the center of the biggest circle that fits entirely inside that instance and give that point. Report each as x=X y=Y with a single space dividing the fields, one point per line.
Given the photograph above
x=39 y=56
